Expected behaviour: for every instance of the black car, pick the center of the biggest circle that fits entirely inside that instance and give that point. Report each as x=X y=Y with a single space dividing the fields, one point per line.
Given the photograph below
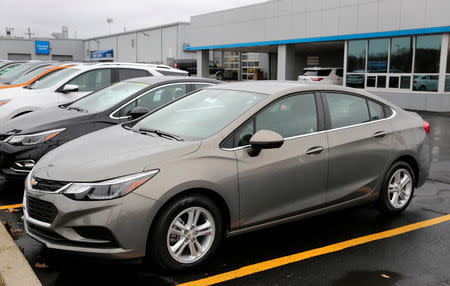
x=24 y=140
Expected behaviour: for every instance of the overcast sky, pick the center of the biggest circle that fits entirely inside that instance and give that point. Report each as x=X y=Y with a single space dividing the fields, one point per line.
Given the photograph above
x=87 y=18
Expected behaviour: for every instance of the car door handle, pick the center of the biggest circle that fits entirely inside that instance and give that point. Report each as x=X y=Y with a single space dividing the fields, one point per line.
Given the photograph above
x=315 y=150
x=379 y=134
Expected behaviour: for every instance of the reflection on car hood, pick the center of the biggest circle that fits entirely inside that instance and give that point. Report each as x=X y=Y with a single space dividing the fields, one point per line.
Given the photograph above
x=9 y=93
x=43 y=120
x=109 y=153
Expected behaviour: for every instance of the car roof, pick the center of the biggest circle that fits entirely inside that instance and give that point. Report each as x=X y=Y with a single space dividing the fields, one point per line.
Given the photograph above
x=151 y=80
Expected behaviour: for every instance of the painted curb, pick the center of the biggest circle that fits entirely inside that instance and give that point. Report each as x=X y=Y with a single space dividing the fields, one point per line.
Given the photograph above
x=14 y=268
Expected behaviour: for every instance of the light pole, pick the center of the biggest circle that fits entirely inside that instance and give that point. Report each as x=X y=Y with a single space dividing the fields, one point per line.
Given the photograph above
x=109 y=21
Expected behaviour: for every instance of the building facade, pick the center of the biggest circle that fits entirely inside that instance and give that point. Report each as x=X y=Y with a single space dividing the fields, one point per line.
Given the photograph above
x=41 y=49
x=398 y=49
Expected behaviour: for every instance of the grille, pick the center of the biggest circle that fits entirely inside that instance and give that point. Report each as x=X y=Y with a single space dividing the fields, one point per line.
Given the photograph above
x=48 y=185
x=41 y=210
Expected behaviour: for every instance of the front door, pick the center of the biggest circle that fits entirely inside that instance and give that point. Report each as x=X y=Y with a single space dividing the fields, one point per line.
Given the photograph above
x=283 y=182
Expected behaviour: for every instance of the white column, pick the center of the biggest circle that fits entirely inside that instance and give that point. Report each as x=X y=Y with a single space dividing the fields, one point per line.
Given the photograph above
x=286 y=62
x=344 y=76
x=203 y=63
x=443 y=62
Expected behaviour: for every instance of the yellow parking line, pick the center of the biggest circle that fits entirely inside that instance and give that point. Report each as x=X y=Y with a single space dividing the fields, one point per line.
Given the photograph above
x=11 y=207
x=277 y=262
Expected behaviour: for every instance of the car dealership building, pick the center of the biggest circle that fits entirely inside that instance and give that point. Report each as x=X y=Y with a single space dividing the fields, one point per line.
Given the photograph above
x=398 y=49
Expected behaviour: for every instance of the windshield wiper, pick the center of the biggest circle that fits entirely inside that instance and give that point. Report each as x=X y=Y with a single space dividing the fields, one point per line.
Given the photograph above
x=28 y=86
x=160 y=133
x=76 y=108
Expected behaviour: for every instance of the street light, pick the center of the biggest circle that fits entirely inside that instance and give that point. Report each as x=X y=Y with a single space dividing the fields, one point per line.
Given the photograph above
x=109 y=21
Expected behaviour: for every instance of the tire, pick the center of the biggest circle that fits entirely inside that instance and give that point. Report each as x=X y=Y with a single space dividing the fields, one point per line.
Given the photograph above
x=160 y=241
x=393 y=198
x=219 y=76
x=422 y=88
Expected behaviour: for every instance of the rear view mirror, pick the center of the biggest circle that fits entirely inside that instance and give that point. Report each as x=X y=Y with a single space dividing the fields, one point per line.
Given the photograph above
x=139 y=111
x=264 y=139
x=70 y=88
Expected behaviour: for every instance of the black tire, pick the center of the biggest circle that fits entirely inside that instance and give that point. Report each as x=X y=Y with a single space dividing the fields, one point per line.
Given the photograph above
x=383 y=203
x=219 y=76
x=157 y=249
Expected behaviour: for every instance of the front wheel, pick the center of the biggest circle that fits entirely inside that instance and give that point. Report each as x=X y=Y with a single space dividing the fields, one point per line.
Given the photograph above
x=397 y=189
x=186 y=233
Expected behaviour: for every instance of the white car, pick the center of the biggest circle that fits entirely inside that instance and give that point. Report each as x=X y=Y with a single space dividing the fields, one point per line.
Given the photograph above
x=318 y=75
x=72 y=83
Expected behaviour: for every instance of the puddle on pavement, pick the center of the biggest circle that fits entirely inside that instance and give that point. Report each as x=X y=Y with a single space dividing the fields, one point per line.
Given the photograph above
x=368 y=278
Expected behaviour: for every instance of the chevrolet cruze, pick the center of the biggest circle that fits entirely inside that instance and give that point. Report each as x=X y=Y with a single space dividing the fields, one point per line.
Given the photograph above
x=222 y=161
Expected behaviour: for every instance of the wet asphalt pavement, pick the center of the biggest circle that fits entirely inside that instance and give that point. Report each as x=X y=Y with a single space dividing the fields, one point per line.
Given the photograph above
x=420 y=257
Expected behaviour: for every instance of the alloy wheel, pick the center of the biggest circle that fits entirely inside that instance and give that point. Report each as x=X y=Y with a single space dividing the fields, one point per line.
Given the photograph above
x=400 y=188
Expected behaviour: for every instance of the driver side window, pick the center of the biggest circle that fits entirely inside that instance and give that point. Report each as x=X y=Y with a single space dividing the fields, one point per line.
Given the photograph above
x=154 y=99
x=92 y=80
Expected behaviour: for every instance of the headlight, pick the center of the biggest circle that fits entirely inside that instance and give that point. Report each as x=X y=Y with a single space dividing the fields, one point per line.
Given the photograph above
x=107 y=190
x=33 y=138
x=3 y=102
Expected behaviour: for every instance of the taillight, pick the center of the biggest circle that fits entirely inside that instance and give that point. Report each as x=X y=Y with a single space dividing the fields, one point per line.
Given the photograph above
x=317 y=78
x=299 y=77
x=426 y=126
x=175 y=65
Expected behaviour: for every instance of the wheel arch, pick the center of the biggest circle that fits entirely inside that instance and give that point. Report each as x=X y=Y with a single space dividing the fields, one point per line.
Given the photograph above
x=412 y=162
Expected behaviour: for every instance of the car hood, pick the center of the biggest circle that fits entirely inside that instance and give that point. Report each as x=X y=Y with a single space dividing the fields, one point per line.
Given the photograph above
x=43 y=120
x=9 y=93
x=109 y=153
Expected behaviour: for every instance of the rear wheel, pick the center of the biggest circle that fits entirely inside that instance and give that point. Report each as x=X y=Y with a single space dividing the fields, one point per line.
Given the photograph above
x=219 y=76
x=397 y=189
x=186 y=233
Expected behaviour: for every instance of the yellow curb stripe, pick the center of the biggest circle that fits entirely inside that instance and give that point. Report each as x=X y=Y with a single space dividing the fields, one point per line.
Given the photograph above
x=11 y=207
x=277 y=262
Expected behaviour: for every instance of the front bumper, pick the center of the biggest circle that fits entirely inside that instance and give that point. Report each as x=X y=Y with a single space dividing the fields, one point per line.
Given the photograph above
x=10 y=154
x=113 y=229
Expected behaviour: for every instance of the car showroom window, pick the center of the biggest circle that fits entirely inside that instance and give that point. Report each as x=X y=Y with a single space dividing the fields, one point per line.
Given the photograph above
x=376 y=110
x=290 y=116
x=154 y=98
x=132 y=73
x=346 y=110
x=92 y=80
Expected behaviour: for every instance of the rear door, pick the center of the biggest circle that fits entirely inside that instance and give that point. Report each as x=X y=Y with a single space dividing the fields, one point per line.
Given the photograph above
x=359 y=145
x=289 y=180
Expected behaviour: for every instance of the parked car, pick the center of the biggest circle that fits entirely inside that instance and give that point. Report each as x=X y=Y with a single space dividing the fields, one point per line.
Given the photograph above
x=227 y=159
x=190 y=65
x=426 y=82
x=24 y=140
x=8 y=65
x=321 y=76
x=356 y=79
x=37 y=74
x=22 y=69
x=68 y=85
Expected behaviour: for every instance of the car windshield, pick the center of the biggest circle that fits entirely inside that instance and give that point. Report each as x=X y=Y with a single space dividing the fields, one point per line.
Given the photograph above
x=8 y=68
x=18 y=70
x=201 y=114
x=324 y=72
x=29 y=76
x=108 y=97
x=54 y=79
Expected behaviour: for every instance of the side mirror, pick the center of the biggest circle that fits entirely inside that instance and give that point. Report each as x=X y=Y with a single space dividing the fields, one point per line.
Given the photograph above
x=70 y=88
x=264 y=139
x=139 y=111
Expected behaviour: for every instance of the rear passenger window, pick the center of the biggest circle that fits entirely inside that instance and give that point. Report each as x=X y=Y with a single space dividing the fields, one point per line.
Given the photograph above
x=200 y=85
x=132 y=73
x=164 y=72
x=376 y=110
x=346 y=110
x=291 y=116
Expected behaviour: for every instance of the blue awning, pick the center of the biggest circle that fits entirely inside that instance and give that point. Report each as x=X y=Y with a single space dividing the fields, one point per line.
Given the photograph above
x=103 y=54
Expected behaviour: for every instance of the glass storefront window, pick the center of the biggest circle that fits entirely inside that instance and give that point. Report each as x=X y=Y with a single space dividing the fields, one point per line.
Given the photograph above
x=401 y=55
x=381 y=81
x=356 y=56
x=425 y=82
x=371 y=80
x=378 y=56
x=405 y=82
x=393 y=81
x=355 y=80
x=447 y=78
x=428 y=53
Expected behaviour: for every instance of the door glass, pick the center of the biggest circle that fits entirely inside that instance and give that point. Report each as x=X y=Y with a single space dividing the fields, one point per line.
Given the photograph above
x=376 y=110
x=132 y=73
x=346 y=109
x=154 y=99
x=245 y=134
x=291 y=116
x=92 y=80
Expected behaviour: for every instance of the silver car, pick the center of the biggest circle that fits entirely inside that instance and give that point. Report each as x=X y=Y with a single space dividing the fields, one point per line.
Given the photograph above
x=223 y=161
